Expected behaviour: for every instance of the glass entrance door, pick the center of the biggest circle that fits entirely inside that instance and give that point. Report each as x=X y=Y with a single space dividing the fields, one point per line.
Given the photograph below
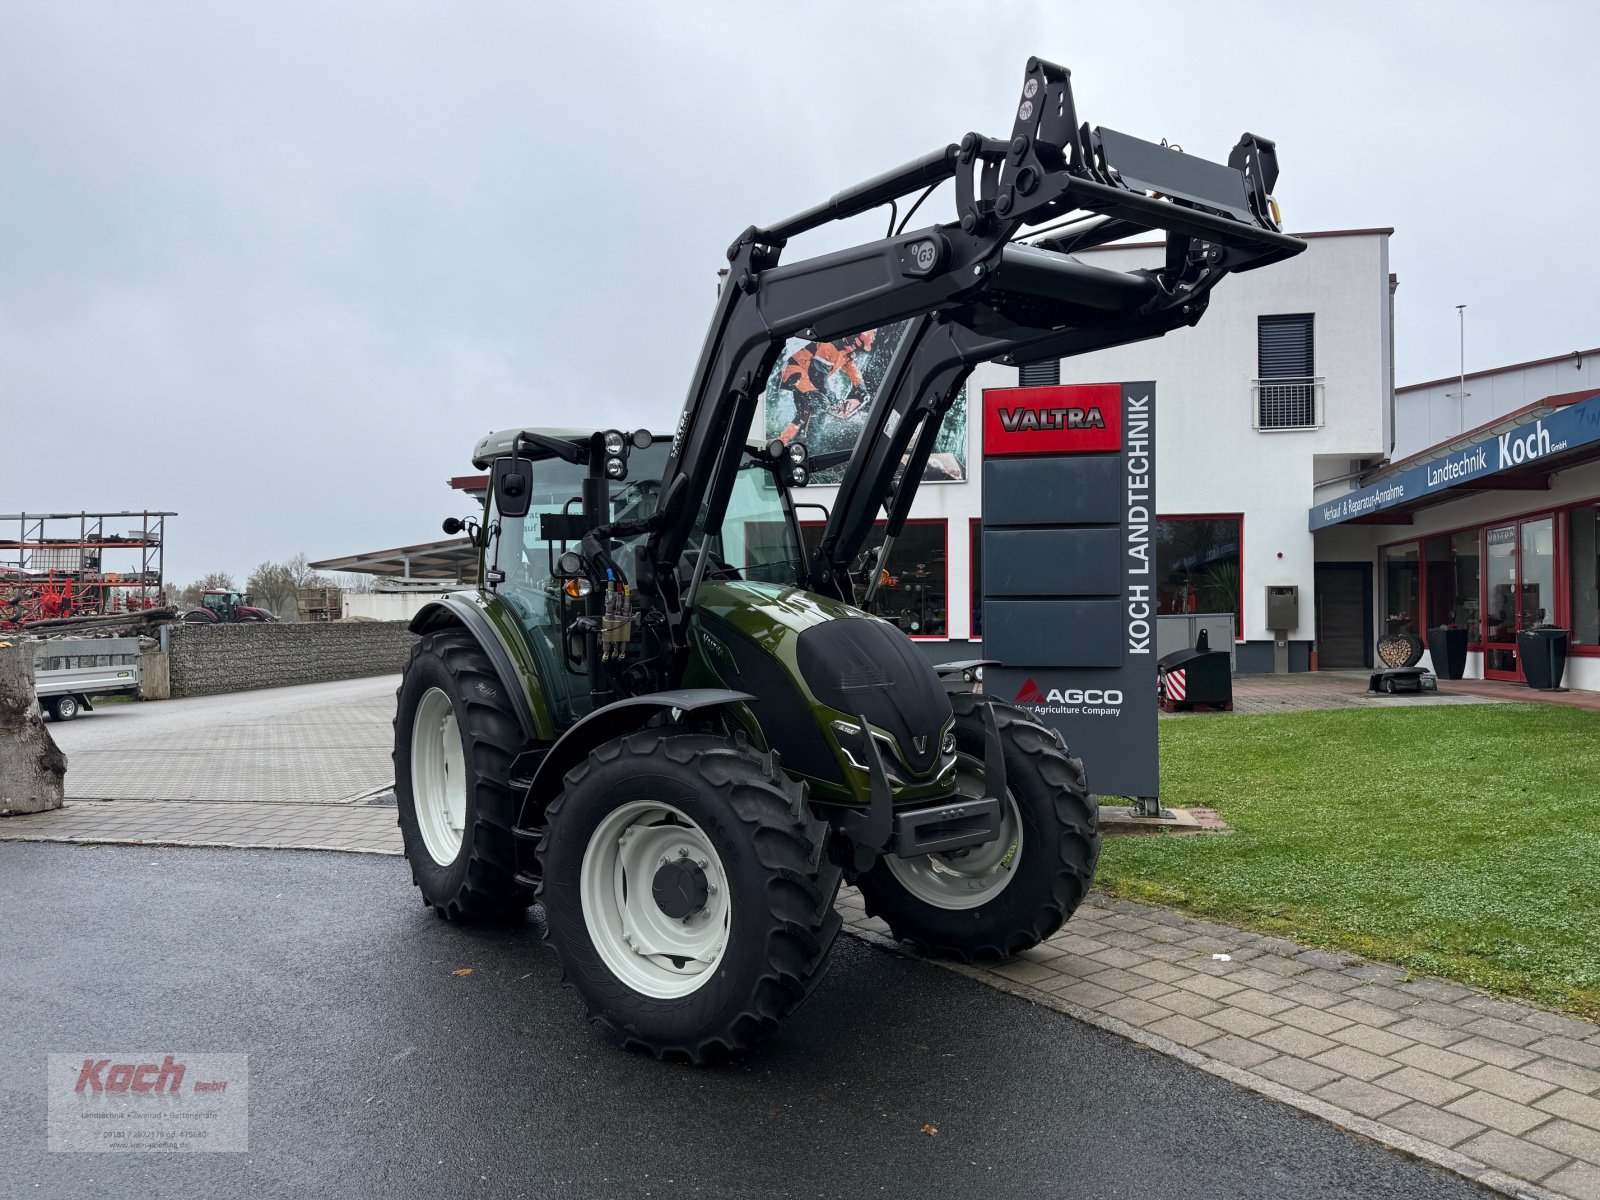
x=1500 y=603
x=1519 y=590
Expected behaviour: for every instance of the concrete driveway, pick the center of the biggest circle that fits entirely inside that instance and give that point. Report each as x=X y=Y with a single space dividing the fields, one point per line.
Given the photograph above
x=276 y=767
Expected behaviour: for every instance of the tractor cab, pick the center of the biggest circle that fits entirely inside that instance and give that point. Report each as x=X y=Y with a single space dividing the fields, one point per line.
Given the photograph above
x=222 y=604
x=531 y=561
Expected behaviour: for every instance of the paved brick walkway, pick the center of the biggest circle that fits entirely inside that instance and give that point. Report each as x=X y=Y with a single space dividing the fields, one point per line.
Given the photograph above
x=1504 y=1093
x=1306 y=691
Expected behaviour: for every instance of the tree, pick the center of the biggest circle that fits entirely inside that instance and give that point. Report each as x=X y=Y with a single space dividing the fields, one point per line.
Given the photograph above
x=276 y=586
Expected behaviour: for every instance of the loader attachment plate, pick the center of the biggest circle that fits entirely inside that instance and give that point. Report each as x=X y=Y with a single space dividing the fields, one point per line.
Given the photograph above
x=1147 y=167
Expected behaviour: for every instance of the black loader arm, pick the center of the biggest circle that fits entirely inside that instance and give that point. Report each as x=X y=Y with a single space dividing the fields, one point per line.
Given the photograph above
x=973 y=292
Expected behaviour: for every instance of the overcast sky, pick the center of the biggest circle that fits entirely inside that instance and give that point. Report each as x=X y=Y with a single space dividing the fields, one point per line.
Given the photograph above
x=276 y=266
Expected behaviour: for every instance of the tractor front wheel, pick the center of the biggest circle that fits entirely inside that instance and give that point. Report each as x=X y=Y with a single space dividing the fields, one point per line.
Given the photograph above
x=997 y=899
x=455 y=735
x=687 y=892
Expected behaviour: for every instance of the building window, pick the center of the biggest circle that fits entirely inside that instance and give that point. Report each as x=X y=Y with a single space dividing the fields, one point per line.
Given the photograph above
x=1287 y=390
x=1040 y=374
x=913 y=593
x=1584 y=553
x=1453 y=581
x=1402 y=590
x=975 y=559
x=1199 y=566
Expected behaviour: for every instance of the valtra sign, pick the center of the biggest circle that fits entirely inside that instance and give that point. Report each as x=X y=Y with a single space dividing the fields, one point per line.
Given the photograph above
x=1068 y=570
x=1069 y=419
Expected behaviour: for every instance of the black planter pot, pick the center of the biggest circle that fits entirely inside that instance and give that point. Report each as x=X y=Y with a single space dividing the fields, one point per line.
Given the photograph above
x=1543 y=654
x=1449 y=649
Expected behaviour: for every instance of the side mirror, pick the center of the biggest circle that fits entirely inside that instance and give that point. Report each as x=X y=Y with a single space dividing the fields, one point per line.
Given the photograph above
x=512 y=484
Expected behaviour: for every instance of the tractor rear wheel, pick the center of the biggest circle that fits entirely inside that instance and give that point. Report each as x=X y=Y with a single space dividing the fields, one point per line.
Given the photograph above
x=455 y=735
x=995 y=900
x=687 y=892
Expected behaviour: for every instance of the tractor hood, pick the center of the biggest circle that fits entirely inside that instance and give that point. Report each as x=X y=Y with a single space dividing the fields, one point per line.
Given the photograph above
x=812 y=662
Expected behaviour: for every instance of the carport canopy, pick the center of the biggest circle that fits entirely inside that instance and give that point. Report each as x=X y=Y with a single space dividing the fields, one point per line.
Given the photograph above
x=452 y=559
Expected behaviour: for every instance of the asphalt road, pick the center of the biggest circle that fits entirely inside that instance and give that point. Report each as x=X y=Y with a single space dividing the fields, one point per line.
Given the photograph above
x=375 y=1071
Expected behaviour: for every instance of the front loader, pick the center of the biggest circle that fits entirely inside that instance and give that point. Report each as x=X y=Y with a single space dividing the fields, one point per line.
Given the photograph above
x=661 y=718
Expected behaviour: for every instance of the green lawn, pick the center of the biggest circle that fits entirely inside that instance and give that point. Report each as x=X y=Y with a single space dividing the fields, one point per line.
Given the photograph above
x=1461 y=841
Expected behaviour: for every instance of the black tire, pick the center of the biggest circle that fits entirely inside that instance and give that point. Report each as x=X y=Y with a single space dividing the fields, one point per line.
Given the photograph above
x=1060 y=847
x=480 y=882
x=781 y=887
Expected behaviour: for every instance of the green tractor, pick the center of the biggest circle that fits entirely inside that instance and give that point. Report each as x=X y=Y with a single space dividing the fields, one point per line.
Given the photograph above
x=664 y=719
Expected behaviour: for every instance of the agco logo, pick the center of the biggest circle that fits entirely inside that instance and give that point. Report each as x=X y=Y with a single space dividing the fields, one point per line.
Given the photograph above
x=1021 y=420
x=1031 y=693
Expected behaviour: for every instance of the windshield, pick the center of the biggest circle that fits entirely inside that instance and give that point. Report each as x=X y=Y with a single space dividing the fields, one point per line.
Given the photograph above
x=758 y=540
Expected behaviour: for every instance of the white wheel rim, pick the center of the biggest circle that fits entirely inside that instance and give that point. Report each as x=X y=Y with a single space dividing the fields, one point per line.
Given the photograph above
x=439 y=776
x=67 y=706
x=654 y=954
x=968 y=878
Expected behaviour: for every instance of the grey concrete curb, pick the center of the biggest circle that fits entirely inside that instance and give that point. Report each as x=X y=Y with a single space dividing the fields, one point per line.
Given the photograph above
x=1395 y=1139
x=165 y=843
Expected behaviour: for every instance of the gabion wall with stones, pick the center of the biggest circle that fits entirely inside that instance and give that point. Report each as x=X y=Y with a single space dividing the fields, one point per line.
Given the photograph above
x=207 y=659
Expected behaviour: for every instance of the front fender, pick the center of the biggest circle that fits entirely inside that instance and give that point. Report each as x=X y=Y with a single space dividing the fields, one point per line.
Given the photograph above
x=611 y=722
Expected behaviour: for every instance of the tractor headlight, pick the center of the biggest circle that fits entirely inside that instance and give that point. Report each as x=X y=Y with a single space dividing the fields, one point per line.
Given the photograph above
x=854 y=747
x=616 y=468
x=798 y=453
x=798 y=476
x=616 y=446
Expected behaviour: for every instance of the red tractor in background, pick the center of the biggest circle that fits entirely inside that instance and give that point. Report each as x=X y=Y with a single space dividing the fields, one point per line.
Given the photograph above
x=218 y=605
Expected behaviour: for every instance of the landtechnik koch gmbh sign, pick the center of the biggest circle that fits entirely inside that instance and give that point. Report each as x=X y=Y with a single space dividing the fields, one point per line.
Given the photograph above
x=1557 y=432
x=1069 y=583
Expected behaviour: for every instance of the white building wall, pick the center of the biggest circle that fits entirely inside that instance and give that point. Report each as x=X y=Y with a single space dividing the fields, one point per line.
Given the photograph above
x=388 y=606
x=1429 y=413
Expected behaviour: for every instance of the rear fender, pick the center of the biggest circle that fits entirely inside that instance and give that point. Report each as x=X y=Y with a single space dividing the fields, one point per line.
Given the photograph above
x=505 y=652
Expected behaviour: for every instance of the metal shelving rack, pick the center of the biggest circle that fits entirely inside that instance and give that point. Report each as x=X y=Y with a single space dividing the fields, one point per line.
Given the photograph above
x=57 y=566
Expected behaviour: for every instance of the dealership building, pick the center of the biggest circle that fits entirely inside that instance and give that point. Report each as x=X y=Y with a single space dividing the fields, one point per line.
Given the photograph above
x=1289 y=464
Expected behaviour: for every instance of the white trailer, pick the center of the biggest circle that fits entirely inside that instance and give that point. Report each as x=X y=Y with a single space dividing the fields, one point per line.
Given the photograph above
x=67 y=672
